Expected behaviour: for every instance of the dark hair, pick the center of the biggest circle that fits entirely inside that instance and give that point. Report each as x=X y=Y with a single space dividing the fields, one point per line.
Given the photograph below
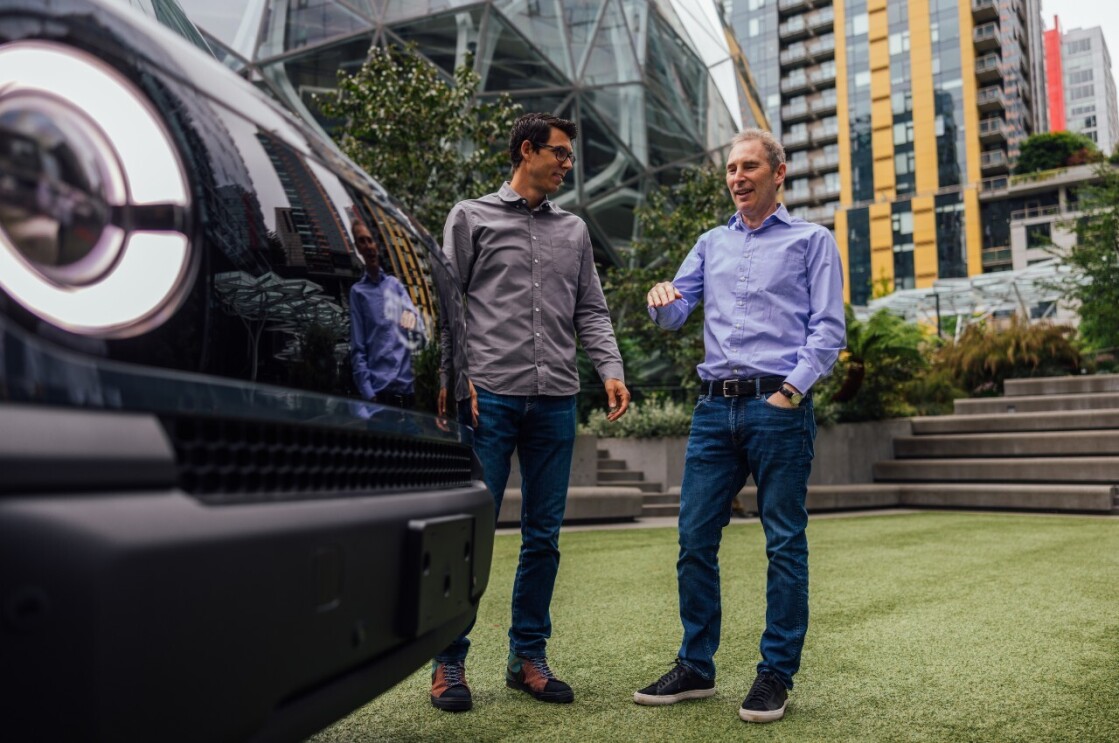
x=537 y=129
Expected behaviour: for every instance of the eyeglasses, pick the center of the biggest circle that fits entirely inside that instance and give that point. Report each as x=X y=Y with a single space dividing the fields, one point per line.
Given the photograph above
x=561 y=153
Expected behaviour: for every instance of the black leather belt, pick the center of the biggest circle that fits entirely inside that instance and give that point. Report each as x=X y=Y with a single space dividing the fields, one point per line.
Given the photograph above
x=751 y=387
x=395 y=399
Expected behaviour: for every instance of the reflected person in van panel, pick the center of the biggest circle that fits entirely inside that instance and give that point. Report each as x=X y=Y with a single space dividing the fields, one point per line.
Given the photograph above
x=383 y=320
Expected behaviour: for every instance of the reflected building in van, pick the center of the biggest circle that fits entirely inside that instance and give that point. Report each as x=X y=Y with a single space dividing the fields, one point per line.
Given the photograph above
x=654 y=86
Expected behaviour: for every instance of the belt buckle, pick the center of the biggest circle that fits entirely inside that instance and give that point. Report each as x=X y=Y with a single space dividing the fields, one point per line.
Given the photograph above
x=727 y=388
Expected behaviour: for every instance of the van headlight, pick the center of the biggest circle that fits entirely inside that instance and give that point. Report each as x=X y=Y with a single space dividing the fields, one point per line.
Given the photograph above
x=94 y=202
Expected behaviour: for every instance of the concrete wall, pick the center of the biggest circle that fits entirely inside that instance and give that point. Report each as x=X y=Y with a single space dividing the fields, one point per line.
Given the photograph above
x=845 y=453
x=584 y=465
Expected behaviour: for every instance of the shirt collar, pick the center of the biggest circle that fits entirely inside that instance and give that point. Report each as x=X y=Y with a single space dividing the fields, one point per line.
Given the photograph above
x=509 y=196
x=782 y=215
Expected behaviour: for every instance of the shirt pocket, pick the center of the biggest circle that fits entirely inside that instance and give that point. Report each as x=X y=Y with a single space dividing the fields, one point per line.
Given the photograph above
x=565 y=256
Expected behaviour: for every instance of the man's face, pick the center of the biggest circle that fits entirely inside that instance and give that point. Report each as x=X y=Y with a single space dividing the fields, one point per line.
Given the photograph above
x=542 y=168
x=367 y=249
x=752 y=182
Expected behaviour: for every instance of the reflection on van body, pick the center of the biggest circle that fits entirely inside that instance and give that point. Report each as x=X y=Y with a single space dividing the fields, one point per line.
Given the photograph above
x=204 y=516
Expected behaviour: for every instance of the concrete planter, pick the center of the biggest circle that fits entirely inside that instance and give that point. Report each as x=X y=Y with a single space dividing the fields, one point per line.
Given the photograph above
x=845 y=453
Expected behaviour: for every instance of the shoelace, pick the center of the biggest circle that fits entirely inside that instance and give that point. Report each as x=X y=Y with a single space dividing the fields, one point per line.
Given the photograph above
x=541 y=665
x=453 y=673
x=764 y=687
x=678 y=670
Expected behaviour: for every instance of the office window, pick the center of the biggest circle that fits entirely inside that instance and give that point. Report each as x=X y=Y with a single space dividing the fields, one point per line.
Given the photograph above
x=1039 y=235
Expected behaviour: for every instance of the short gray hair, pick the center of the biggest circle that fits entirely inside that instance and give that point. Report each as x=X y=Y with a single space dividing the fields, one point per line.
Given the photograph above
x=775 y=153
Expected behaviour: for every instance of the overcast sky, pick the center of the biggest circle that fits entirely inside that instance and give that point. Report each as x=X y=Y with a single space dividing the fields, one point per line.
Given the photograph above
x=1085 y=14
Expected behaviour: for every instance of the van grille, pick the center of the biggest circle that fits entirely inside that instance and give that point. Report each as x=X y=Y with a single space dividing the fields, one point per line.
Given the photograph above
x=238 y=461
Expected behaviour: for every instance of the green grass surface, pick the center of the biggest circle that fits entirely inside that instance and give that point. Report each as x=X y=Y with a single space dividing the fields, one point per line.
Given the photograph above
x=924 y=627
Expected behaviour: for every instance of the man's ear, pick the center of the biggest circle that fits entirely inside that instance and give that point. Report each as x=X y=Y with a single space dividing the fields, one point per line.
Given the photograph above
x=526 y=148
x=779 y=176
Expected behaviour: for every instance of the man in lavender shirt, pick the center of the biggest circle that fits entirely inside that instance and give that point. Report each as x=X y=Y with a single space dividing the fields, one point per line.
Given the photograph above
x=772 y=289
x=383 y=320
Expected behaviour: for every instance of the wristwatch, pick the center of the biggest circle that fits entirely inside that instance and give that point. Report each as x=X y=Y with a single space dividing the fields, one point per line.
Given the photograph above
x=794 y=397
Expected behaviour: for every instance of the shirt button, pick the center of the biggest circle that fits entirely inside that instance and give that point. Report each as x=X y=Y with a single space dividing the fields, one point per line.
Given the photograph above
x=537 y=309
x=537 y=335
x=534 y=237
x=535 y=261
x=535 y=284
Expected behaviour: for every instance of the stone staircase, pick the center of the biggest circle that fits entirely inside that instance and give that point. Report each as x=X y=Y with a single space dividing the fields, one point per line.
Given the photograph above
x=655 y=500
x=1047 y=444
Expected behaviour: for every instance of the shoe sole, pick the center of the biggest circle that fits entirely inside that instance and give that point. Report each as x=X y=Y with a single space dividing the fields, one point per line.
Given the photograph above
x=654 y=700
x=552 y=697
x=751 y=715
x=452 y=705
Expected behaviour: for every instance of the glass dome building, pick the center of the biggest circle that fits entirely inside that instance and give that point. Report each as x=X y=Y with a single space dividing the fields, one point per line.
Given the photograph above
x=655 y=86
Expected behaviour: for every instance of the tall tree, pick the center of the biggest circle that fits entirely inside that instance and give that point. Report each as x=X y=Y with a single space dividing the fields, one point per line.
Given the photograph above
x=1094 y=260
x=670 y=221
x=430 y=143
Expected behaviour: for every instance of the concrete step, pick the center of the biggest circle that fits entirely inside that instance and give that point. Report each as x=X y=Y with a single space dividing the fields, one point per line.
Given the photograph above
x=1035 y=444
x=656 y=499
x=1031 y=497
x=650 y=487
x=1064 y=420
x=1103 y=470
x=663 y=509
x=1070 y=385
x=1035 y=403
x=611 y=464
x=617 y=477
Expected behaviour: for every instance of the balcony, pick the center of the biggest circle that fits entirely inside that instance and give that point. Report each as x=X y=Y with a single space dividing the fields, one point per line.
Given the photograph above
x=997 y=258
x=797 y=196
x=797 y=165
x=993 y=131
x=824 y=132
x=795 y=139
x=787 y=7
x=988 y=68
x=992 y=162
x=825 y=103
x=991 y=99
x=1033 y=212
x=823 y=162
x=795 y=83
x=813 y=50
x=984 y=10
x=987 y=37
x=791 y=112
x=824 y=215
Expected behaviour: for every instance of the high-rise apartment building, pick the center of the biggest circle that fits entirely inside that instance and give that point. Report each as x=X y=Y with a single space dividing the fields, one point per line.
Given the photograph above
x=1088 y=87
x=897 y=118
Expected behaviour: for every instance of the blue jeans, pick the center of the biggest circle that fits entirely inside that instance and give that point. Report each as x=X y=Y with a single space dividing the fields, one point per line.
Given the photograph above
x=732 y=438
x=542 y=430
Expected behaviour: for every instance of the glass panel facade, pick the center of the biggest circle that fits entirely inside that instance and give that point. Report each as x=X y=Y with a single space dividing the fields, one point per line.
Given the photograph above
x=630 y=72
x=951 y=245
x=858 y=255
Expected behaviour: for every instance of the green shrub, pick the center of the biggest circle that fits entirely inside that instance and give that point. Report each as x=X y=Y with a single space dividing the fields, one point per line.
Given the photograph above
x=655 y=417
x=985 y=356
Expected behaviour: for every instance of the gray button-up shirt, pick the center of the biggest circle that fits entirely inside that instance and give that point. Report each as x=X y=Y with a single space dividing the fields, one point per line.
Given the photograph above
x=531 y=288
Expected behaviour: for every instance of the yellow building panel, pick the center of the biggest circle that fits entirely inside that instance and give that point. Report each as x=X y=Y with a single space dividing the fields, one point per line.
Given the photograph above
x=971 y=104
x=881 y=114
x=881 y=249
x=842 y=114
x=841 y=239
x=924 y=110
x=925 y=263
x=974 y=232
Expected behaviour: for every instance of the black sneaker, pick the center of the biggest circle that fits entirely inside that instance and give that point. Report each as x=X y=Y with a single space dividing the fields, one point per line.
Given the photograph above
x=675 y=686
x=533 y=676
x=449 y=691
x=766 y=701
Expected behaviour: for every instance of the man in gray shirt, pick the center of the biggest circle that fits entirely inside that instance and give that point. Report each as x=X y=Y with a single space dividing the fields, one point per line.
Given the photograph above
x=527 y=273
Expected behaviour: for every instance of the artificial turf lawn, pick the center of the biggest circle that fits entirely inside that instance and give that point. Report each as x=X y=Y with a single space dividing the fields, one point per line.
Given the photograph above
x=924 y=627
